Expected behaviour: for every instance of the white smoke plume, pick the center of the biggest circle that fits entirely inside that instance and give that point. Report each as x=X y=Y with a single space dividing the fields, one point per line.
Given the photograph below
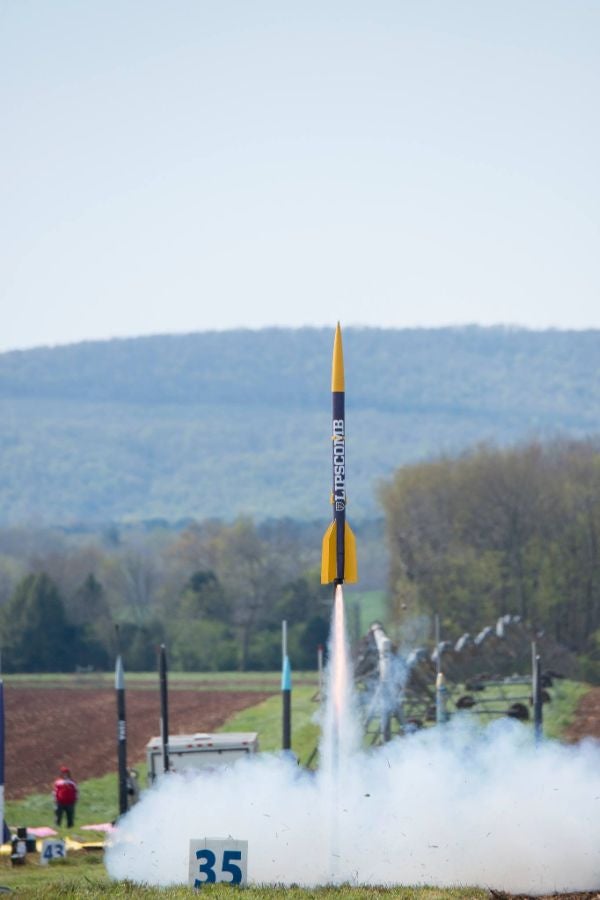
x=454 y=805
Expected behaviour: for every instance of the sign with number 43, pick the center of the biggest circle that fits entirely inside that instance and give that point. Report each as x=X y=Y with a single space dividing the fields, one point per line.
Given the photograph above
x=52 y=849
x=218 y=859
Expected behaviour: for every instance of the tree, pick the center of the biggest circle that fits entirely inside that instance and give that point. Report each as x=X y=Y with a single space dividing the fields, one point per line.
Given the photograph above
x=249 y=576
x=139 y=643
x=202 y=646
x=204 y=597
x=132 y=578
x=88 y=610
x=36 y=636
x=500 y=531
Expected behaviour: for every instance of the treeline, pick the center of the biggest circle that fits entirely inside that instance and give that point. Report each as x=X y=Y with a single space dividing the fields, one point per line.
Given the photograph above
x=493 y=531
x=501 y=531
x=215 y=593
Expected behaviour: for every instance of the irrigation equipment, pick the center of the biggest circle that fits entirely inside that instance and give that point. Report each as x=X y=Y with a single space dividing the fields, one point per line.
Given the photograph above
x=495 y=672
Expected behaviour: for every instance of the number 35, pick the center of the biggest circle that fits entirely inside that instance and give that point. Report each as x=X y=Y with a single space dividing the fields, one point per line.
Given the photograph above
x=207 y=867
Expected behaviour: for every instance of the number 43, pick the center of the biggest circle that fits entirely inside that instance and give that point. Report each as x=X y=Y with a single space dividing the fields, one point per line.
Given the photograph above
x=228 y=867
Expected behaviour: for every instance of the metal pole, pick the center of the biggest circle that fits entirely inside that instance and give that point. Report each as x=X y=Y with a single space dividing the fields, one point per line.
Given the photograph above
x=384 y=654
x=164 y=706
x=538 y=708
x=385 y=664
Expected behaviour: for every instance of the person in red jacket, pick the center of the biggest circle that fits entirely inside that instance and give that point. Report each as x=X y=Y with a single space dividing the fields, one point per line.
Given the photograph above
x=65 y=797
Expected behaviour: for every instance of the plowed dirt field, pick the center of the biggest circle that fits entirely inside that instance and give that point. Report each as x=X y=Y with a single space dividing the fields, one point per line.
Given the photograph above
x=47 y=727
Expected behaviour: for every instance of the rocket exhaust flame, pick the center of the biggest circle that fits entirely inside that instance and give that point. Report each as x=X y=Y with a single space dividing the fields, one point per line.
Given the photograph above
x=340 y=737
x=341 y=733
x=339 y=659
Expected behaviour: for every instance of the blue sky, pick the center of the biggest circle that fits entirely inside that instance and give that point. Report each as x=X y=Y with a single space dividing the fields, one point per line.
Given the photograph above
x=184 y=166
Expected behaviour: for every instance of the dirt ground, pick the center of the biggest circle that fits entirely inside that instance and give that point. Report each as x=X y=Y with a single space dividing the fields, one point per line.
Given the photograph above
x=47 y=728
x=587 y=720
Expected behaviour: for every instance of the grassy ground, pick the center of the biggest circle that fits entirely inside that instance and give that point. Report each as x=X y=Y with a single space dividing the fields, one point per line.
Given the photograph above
x=84 y=878
x=84 y=872
x=97 y=803
x=560 y=713
x=372 y=607
x=201 y=681
x=266 y=718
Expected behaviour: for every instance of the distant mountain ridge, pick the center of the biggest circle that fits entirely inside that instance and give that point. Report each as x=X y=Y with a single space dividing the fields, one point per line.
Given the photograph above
x=219 y=423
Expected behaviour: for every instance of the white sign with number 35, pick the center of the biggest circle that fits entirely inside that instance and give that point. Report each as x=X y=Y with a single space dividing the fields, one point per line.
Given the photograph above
x=218 y=859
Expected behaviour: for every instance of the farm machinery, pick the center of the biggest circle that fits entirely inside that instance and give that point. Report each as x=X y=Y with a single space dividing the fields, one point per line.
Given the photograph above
x=496 y=672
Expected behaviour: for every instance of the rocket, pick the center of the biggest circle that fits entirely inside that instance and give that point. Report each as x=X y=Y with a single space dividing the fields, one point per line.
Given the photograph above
x=164 y=706
x=338 y=560
x=538 y=709
x=441 y=698
x=121 y=735
x=286 y=691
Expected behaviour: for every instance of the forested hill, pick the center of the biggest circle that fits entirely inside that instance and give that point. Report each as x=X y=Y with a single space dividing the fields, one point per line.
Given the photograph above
x=221 y=423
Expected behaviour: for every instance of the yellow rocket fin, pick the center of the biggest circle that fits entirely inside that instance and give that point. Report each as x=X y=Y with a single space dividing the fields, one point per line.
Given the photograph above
x=350 y=565
x=328 y=556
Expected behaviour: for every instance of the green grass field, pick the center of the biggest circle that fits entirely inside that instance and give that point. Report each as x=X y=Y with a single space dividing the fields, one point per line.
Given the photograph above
x=372 y=607
x=266 y=719
x=558 y=714
x=86 y=879
x=97 y=803
x=201 y=681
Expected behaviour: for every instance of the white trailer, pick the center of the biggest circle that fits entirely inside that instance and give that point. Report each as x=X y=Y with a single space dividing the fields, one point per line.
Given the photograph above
x=199 y=751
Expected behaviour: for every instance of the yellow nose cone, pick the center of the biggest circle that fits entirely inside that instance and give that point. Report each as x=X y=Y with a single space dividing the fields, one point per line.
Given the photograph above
x=337 y=368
